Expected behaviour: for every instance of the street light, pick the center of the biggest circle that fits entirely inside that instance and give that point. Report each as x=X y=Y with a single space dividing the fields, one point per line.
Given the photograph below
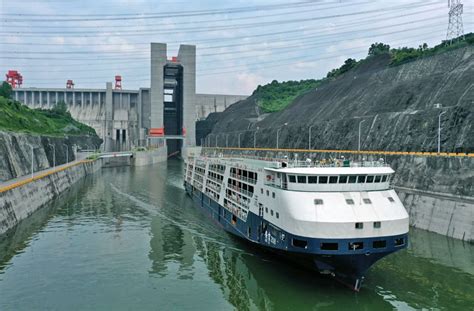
x=239 y=138
x=360 y=123
x=309 y=137
x=54 y=155
x=278 y=132
x=439 y=130
x=67 y=153
x=255 y=138
x=32 y=160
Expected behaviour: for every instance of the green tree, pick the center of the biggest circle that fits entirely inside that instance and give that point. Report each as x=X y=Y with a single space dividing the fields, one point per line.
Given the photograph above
x=5 y=90
x=60 y=108
x=378 y=48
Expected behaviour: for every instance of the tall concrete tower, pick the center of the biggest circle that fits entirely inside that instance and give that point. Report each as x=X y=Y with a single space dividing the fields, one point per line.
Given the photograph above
x=173 y=96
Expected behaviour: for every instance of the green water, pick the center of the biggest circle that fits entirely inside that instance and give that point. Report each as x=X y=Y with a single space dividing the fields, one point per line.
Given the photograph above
x=130 y=239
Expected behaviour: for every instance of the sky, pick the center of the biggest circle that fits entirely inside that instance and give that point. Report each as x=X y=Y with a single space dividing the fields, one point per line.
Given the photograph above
x=240 y=44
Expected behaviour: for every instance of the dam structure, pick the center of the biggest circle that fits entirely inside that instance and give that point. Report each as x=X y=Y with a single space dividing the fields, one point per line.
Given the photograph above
x=125 y=119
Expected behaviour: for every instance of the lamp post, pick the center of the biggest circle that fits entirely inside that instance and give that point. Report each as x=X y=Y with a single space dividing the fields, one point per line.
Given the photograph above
x=360 y=123
x=255 y=138
x=309 y=137
x=67 y=153
x=278 y=132
x=239 y=138
x=32 y=160
x=54 y=155
x=439 y=130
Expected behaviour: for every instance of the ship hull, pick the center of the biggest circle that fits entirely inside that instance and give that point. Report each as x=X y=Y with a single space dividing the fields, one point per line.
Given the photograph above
x=346 y=266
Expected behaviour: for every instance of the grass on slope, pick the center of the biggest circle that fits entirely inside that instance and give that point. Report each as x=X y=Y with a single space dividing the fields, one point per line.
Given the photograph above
x=16 y=117
x=403 y=55
x=275 y=96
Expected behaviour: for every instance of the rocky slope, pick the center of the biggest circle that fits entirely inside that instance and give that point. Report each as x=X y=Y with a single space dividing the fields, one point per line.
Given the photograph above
x=397 y=104
x=15 y=152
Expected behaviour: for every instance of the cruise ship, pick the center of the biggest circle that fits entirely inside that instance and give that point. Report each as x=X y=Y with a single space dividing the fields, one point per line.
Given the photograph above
x=337 y=217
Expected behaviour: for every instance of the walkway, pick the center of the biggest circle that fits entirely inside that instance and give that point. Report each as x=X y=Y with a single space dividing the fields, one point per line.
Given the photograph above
x=22 y=180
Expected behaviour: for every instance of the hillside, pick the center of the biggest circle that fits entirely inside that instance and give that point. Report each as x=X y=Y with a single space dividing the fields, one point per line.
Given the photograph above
x=396 y=101
x=16 y=117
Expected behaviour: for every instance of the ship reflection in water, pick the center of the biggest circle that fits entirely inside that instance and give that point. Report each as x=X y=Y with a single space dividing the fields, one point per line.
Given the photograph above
x=131 y=239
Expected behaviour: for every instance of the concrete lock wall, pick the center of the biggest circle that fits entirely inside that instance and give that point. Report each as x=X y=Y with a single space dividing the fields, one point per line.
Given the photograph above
x=20 y=202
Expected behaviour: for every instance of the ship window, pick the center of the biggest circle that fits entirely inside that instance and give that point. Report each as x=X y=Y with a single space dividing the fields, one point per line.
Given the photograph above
x=367 y=201
x=261 y=190
x=318 y=202
x=361 y=179
x=333 y=179
x=343 y=179
x=352 y=179
x=292 y=178
x=273 y=194
x=271 y=212
x=391 y=199
x=299 y=243
x=323 y=179
x=399 y=242
x=312 y=179
x=359 y=225
x=378 y=178
x=277 y=215
x=268 y=193
x=384 y=178
x=266 y=210
x=329 y=246
x=379 y=244
x=356 y=245
x=370 y=179
x=350 y=201
x=302 y=179
x=377 y=224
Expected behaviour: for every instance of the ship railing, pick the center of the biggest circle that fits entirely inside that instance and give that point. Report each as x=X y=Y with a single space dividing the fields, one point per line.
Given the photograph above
x=243 y=178
x=239 y=199
x=276 y=161
x=214 y=179
x=214 y=187
x=215 y=170
x=240 y=190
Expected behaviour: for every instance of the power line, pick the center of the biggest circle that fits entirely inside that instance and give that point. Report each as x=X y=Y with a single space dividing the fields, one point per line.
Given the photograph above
x=155 y=15
x=269 y=64
x=201 y=29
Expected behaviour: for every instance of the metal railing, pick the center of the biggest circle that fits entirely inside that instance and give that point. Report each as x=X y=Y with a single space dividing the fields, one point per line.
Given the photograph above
x=243 y=178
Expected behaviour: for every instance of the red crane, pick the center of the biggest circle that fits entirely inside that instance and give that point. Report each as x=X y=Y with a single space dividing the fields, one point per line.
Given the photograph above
x=14 y=78
x=118 y=82
x=69 y=84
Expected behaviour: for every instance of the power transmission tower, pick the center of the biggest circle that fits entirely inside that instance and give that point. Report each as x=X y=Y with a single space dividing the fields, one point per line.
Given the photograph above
x=455 y=27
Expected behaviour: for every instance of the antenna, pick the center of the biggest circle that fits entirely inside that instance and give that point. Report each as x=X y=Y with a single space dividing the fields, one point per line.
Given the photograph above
x=455 y=26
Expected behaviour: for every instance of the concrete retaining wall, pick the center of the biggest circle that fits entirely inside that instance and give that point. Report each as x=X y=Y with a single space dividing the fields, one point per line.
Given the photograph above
x=20 y=202
x=453 y=217
x=142 y=158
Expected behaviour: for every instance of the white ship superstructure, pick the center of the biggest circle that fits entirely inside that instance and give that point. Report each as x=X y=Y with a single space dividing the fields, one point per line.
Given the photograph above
x=338 y=217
